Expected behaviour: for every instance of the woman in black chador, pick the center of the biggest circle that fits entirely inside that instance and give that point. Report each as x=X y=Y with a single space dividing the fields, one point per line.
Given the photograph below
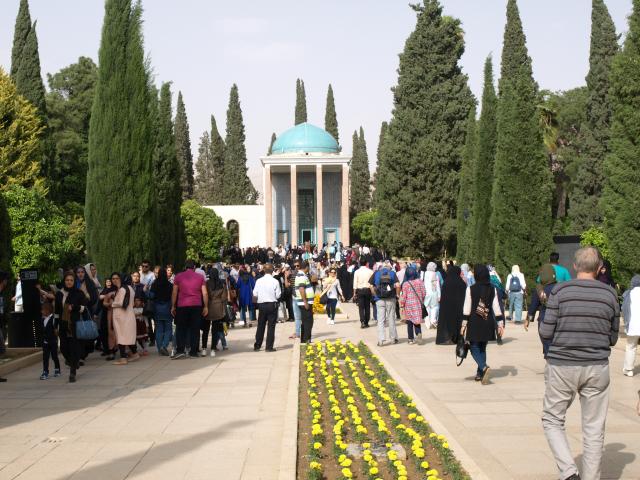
x=451 y=305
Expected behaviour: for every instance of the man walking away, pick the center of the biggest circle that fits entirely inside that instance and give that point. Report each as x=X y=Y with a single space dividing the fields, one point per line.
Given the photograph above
x=266 y=294
x=304 y=295
x=386 y=288
x=581 y=324
x=189 y=302
x=562 y=274
x=362 y=292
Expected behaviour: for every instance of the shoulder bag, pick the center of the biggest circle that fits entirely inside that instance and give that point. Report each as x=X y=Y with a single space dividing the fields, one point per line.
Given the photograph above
x=423 y=309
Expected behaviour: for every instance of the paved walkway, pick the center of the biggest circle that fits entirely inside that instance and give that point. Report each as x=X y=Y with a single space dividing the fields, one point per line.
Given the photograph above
x=224 y=417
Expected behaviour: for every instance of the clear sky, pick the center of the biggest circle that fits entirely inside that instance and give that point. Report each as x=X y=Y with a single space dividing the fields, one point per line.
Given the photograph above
x=204 y=46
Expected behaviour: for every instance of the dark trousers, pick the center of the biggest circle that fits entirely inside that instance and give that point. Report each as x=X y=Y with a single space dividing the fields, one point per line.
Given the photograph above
x=267 y=318
x=70 y=349
x=205 y=326
x=188 y=329
x=331 y=307
x=123 y=350
x=364 y=305
x=50 y=349
x=306 y=317
x=411 y=327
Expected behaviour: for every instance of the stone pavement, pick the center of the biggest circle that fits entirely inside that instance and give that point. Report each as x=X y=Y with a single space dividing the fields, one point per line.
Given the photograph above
x=225 y=417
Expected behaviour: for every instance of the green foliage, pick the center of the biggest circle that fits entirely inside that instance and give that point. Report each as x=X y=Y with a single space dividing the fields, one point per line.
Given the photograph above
x=204 y=172
x=205 y=233
x=237 y=188
x=69 y=108
x=183 y=149
x=621 y=196
x=465 y=231
x=120 y=199
x=6 y=251
x=596 y=237
x=20 y=33
x=28 y=77
x=301 y=103
x=483 y=246
x=379 y=161
x=521 y=197
x=362 y=226
x=588 y=181
x=167 y=184
x=417 y=189
x=217 y=160
x=330 y=116
x=359 y=176
x=20 y=138
x=41 y=235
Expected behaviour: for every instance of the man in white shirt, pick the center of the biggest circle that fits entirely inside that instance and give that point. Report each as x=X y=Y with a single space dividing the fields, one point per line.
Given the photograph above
x=362 y=293
x=266 y=294
x=146 y=274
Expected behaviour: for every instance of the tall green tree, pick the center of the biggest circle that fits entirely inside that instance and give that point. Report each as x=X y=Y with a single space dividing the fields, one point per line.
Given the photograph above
x=6 y=249
x=379 y=162
x=69 y=104
x=28 y=77
x=621 y=196
x=167 y=184
x=330 y=116
x=20 y=34
x=203 y=187
x=465 y=232
x=521 y=197
x=273 y=140
x=205 y=232
x=120 y=200
x=237 y=188
x=418 y=188
x=218 y=161
x=588 y=182
x=483 y=245
x=359 y=176
x=183 y=149
x=301 y=103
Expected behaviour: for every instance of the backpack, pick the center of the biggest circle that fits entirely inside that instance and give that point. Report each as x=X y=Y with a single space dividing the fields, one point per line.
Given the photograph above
x=514 y=284
x=385 y=287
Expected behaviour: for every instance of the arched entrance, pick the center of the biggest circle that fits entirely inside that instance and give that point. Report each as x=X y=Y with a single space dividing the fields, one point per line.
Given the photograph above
x=233 y=227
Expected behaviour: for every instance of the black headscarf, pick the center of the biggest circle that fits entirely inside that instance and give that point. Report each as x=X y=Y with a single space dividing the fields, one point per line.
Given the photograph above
x=482 y=289
x=127 y=290
x=214 y=281
x=161 y=287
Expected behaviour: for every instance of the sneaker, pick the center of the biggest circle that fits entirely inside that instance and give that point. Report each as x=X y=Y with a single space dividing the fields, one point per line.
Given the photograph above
x=270 y=350
x=628 y=373
x=44 y=376
x=380 y=344
x=396 y=341
x=499 y=341
x=203 y=353
x=164 y=352
x=575 y=476
x=225 y=348
x=485 y=375
x=56 y=372
x=213 y=353
x=411 y=342
x=478 y=377
x=178 y=356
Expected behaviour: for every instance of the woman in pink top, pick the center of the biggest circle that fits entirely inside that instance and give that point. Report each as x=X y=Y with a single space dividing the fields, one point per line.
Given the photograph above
x=411 y=300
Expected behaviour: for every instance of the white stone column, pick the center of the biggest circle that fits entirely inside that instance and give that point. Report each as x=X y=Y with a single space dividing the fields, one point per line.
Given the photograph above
x=344 y=214
x=319 y=212
x=293 y=234
x=268 y=206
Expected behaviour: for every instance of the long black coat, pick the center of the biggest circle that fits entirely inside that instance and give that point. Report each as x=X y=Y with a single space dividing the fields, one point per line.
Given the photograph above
x=451 y=306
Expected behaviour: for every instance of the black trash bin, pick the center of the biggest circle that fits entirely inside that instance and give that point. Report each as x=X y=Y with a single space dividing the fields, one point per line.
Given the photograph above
x=21 y=331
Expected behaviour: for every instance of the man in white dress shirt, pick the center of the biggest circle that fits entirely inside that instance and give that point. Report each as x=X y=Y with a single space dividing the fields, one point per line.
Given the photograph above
x=266 y=294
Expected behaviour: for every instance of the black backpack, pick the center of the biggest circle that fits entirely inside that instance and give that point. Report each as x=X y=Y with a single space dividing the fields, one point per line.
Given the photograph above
x=385 y=287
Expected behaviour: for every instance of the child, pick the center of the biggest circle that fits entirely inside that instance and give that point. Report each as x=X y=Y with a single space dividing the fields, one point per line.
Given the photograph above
x=141 y=325
x=49 y=341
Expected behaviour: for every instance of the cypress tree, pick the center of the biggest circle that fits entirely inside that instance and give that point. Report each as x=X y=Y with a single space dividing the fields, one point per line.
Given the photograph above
x=28 y=77
x=301 y=103
x=273 y=140
x=483 y=244
x=203 y=188
x=379 y=163
x=237 y=188
x=621 y=196
x=418 y=187
x=6 y=248
x=217 y=161
x=183 y=149
x=359 y=176
x=587 y=185
x=167 y=183
x=119 y=208
x=20 y=33
x=467 y=192
x=521 y=196
x=330 y=117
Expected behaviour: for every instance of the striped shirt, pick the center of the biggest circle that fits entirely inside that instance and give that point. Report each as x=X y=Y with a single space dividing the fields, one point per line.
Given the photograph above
x=581 y=322
x=303 y=281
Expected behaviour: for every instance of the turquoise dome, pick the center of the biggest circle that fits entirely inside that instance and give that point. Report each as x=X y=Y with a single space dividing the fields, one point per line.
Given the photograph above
x=305 y=138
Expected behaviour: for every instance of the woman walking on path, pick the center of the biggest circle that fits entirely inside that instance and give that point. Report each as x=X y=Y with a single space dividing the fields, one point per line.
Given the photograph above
x=124 y=320
x=516 y=286
x=631 y=313
x=218 y=297
x=432 y=298
x=245 y=284
x=107 y=334
x=412 y=298
x=70 y=303
x=334 y=291
x=547 y=277
x=160 y=293
x=451 y=305
x=480 y=314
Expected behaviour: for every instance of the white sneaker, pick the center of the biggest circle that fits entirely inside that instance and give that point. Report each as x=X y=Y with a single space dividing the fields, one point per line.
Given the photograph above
x=213 y=353
x=331 y=322
x=628 y=373
x=203 y=353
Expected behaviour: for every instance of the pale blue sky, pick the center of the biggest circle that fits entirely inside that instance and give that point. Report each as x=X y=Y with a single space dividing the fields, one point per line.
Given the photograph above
x=204 y=46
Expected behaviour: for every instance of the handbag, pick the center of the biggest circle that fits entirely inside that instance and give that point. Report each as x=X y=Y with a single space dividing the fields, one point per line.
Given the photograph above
x=462 y=349
x=423 y=309
x=324 y=299
x=86 y=328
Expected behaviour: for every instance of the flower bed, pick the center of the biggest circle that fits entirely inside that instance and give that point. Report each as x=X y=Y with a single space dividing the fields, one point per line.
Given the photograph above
x=355 y=422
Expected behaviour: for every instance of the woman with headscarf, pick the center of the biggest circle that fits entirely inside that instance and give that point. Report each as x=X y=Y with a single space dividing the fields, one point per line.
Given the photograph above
x=92 y=273
x=218 y=298
x=631 y=314
x=107 y=334
x=411 y=300
x=467 y=274
x=451 y=305
x=481 y=313
x=432 y=298
x=547 y=283
x=70 y=303
x=245 y=285
x=160 y=292
x=124 y=320
x=604 y=275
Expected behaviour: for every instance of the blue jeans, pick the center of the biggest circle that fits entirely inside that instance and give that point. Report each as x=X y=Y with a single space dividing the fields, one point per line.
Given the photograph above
x=411 y=327
x=296 y=316
x=243 y=313
x=331 y=307
x=218 y=336
x=164 y=332
x=479 y=354
x=515 y=303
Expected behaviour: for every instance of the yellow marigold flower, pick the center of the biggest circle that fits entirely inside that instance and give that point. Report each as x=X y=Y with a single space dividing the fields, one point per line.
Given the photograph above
x=388 y=445
x=366 y=445
x=441 y=437
x=317 y=445
x=315 y=466
x=419 y=418
x=343 y=446
x=346 y=463
x=367 y=458
x=412 y=416
x=346 y=473
x=402 y=477
x=433 y=472
x=445 y=445
x=432 y=435
x=425 y=465
x=373 y=471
